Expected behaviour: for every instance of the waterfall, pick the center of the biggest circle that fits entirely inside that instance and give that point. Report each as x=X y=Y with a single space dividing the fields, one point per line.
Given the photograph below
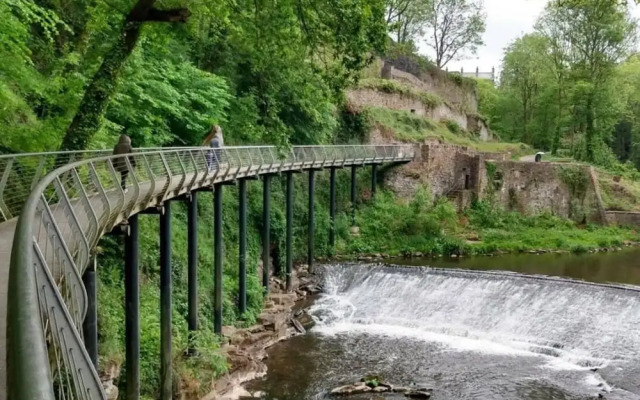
x=571 y=324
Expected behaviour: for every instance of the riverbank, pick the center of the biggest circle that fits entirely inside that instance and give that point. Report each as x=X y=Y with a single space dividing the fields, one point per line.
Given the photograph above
x=421 y=227
x=246 y=348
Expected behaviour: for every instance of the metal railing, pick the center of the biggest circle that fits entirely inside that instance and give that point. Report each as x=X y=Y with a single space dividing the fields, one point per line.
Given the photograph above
x=19 y=173
x=68 y=211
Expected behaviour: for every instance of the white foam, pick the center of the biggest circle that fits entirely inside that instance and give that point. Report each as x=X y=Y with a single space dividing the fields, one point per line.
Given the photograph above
x=571 y=327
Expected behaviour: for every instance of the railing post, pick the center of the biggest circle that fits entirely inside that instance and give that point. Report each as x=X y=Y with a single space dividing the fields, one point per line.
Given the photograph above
x=266 y=230
x=132 y=310
x=90 y=323
x=289 y=216
x=353 y=195
x=332 y=207
x=310 y=249
x=166 y=380
x=374 y=180
x=218 y=257
x=192 y=266
x=242 y=246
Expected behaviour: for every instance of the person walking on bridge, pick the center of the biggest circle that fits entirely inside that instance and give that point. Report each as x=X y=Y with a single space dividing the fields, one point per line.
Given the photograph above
x=215 y=141
x=120 y=164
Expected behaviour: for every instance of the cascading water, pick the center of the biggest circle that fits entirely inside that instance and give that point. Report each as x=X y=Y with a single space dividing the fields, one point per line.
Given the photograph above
x=566 y=335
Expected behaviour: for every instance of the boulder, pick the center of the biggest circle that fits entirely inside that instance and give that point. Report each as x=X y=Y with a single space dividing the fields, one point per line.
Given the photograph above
x=348 y=390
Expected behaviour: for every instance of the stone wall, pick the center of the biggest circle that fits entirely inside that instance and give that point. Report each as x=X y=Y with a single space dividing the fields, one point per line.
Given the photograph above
x=446 y=168
x=535 y=188
x=623 y=218
x=462 y=175
x=373 y=98
x=434 y=81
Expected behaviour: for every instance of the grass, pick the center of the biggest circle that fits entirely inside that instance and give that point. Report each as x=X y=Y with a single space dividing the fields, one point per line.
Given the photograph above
x=429 y=100
x=410 y=128
x=398 y=227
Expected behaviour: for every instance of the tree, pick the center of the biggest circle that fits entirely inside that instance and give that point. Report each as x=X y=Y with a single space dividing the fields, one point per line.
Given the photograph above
x=406 y=19
x=598 y=34
x=524 y=66
x=88 y=117
x=456 y=26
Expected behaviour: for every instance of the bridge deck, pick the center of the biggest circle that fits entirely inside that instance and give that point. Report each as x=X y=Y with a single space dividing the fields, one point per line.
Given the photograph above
x=140 y=196
x=6 y=240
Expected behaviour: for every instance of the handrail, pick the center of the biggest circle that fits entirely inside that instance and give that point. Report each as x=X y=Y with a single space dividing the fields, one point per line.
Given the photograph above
x=68 y=211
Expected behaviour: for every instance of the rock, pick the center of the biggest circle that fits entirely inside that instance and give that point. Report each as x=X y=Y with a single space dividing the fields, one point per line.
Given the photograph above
x=401 y=389
x=380 y=389
x=355 y=231
x=298 y=313
x=283 y=299
x=110 y=390
x=228 y=331
x=454 y=256
x=296 y=324
x=349 y=390
x=306 y=321
x=418 y=394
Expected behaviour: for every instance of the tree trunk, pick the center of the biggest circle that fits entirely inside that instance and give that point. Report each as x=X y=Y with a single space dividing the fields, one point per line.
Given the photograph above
x=89 y=115
x=591 y=132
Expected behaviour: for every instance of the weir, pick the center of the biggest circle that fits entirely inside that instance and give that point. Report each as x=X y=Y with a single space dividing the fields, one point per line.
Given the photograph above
x=571 y=324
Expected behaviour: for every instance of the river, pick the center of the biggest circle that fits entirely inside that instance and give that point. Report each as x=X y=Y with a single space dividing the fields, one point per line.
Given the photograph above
x=472 y=334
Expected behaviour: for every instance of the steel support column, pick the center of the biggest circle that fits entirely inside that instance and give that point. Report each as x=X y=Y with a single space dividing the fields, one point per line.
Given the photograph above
x=353 y=195
x=192 y=268
x=266 y=230
x=90 y=323
x=218 y=257
x=310 y=248
x=332 y=208
x=166 y=379
x=242 y=246
x=289 y=212
x=132 y=311
x=374 y=180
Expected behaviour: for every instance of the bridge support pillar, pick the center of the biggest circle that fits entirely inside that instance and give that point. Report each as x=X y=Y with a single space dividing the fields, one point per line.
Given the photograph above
x=312 y=220
x=353 y=194
x=374 y=180
x=192 y=268
x=166 y=379
x=218 y=258
x=266 y=230
x=332 y=207
x=90 y=324
x=242 y=246
x=289 y=233
x=132 y=311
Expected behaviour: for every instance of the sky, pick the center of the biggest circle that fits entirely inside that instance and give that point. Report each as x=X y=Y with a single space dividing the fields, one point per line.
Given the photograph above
x=506 y=21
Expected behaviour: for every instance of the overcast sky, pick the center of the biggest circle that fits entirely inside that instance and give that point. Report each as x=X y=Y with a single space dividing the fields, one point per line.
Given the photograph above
x=506 y=21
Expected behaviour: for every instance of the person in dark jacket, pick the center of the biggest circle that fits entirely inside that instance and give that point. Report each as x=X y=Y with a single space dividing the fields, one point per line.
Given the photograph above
x=120 y=163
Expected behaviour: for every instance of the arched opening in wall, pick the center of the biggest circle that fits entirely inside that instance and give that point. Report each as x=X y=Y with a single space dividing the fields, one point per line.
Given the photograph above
x=497 y=180
x=413 y=111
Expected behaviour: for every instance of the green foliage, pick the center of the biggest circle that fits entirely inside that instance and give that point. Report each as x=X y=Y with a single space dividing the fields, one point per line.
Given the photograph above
x=576 y=179
x=563 y=87
x=453 y=127
x=407 y=127
x=355 y=126
x=429 y=100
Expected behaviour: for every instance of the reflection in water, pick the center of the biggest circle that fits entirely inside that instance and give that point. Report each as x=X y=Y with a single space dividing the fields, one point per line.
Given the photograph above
x=619 y=267
x=472 y=336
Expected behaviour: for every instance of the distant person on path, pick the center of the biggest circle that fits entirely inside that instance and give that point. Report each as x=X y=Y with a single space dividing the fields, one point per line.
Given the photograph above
x=215 y=141
x=120 y=163
x=538 y=156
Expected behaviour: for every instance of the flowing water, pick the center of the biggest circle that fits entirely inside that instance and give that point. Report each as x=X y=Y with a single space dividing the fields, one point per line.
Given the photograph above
x=468 y=334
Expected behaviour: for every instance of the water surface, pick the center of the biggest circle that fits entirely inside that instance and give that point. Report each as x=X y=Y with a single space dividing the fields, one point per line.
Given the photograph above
x=472 y=335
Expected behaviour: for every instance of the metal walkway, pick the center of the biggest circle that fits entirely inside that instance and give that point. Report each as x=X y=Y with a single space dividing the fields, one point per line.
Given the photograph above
x=55 y=207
